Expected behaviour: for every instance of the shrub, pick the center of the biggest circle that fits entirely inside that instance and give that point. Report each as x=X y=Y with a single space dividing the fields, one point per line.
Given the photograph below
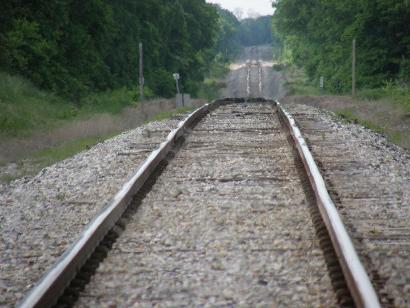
x=404 y=74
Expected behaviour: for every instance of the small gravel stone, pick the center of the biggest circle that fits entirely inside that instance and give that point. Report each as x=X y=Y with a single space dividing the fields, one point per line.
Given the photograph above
x=369 y=180
x=239 y=234
x=41 y=216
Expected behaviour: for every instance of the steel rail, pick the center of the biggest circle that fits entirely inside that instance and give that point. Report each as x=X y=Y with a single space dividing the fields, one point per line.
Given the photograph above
x=53 y=283
x=46 y=292
x=357 y=279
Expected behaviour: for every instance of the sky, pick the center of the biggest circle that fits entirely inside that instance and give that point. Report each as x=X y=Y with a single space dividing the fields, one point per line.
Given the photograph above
x=250 y=8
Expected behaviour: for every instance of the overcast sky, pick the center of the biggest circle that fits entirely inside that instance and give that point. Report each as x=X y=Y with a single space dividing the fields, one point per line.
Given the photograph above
x=250 y=8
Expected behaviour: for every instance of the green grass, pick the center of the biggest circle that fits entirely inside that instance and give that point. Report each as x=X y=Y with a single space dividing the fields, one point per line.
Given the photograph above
x=298 y=83
x=349 y=116
x=210 y=88
x=8 y=178
x=218 y=70
x=169 y=114
x=51 y=155
x=110 y=101
x=38 y=160
x=397 y=137
x=214 y=82
x=24 y=108
x=390 y=92
x=395 y=94
x=383 y=110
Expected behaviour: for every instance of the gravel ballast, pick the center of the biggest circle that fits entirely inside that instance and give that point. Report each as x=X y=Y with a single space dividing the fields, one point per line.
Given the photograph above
x=226 y=224
x=41 y=216
x=369 y=180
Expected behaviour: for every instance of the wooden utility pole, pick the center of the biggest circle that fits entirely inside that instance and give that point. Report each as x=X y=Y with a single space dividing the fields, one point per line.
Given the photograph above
x=354 y=68
x=141 y=74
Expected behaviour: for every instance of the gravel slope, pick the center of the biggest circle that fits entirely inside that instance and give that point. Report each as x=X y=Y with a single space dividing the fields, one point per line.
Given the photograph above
x=226 y=224
x=40 y=216
x=369 y=179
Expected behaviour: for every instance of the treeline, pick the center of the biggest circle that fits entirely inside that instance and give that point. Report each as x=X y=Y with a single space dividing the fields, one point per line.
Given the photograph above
x=235 y=34
x=319 y=36
x=256 y=31
x=75 y=47
x=227 y=44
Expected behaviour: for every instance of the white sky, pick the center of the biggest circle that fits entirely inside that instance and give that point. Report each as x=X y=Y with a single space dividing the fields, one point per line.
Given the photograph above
x=250 y=8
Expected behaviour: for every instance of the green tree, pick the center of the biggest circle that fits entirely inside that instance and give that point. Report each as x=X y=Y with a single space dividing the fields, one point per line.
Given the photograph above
x=319 y=33
x=74 y=47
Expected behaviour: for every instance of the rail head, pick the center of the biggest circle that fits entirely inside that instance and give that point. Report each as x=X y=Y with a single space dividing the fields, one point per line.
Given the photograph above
x=357 y=279
x=53 y=283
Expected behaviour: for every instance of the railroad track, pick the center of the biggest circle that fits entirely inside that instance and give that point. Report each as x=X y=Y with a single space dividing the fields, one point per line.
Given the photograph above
x=231 y=209
x=254 y=79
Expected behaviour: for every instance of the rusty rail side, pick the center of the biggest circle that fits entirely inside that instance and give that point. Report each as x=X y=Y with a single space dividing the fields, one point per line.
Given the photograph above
x=53 y=283
x=358 y=281
x=46 y=292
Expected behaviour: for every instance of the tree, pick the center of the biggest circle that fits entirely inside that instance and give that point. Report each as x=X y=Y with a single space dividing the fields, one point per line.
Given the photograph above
x=319 y=34
x=74 y=47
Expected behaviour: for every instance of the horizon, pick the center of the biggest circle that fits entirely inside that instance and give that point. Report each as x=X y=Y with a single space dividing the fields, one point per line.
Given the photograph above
x=243 y=9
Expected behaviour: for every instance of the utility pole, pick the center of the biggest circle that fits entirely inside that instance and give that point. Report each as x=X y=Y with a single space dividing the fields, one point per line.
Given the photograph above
x=141 y=72
x=179 y=97
x=176 y=77
x=321 y=84
x=354 y=68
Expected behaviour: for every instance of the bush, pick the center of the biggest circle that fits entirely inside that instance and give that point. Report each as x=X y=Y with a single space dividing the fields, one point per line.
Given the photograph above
x=278 y=67
x=404 y=74
x=162 y=83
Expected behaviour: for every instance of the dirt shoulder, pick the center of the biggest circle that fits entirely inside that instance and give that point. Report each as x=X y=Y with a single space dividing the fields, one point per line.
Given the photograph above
x=26 y=156
x=383 y=117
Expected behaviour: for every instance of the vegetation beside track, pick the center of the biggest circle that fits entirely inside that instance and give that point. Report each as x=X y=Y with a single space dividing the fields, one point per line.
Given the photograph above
x=318 y=38
x=385 y=110
x=25 y=108
x=33 y=162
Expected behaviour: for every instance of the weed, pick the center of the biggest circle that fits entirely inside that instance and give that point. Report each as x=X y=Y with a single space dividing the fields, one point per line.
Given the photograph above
x=60 y=196
x=298 y=83
x=391 y=93
x=278 y=67
x=385 y=110
x=169 y=114
x=395 y=137
x=7 y=178
x=24 y=108
x=68 y=149
x=110 y=101
x=348 y=116
x=214 y=82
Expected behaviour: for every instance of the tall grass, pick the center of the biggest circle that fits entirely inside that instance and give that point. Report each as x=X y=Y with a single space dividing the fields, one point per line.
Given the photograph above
x=112 y=101
x=391 y=92
x=298 y=83
x=169 y=114
x=214 y=82
x=24 y=108
x=51 y=155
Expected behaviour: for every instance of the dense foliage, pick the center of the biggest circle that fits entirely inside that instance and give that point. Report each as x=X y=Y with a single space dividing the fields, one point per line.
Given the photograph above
x=227 y=43
x=255 y=31
x=74 y=47
x=319 y=35
x=234 y=34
